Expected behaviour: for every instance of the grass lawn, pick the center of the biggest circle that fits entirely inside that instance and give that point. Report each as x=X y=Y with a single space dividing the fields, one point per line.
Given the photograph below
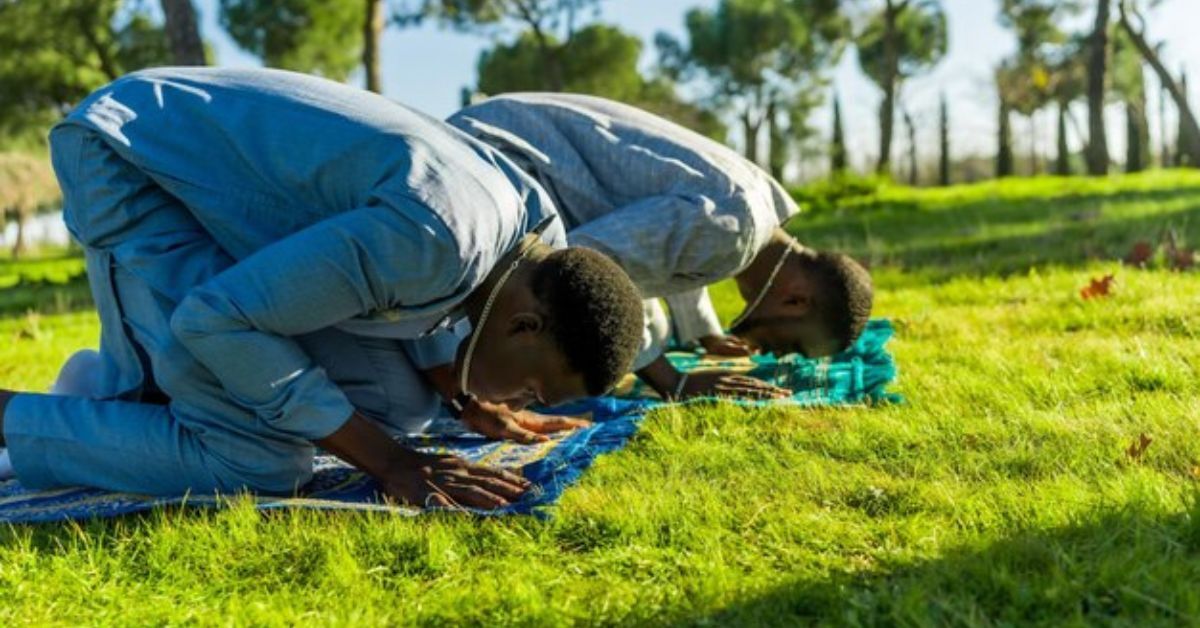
x=1002 y=492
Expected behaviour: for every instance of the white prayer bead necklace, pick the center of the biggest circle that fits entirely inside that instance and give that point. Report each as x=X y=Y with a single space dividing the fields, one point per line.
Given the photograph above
x=483 y=316
x=762 y=294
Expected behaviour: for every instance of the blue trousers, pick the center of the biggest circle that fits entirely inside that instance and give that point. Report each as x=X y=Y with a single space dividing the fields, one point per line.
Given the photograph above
x=160 y=422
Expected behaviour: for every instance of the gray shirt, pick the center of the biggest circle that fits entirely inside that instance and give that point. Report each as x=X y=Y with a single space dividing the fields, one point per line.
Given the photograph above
x=676 y=210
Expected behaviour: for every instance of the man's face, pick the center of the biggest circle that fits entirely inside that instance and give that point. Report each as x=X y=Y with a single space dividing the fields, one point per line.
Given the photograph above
x=523 y=369
x=783 y=335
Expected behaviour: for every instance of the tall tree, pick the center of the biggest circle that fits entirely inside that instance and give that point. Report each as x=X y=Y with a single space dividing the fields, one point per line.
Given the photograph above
x=373 y=23
x=1048 y=67
x=1004 y=154
x=1129 y=86
x=1184 y=134
x=1189 y=130
x=1097 y=72
x=911 y=126
x=755 y=58
x=837 y=150
x=183 y=32
x=1004 y=151
x=943 y=141
x=314 y=36
x=1164 y=158
x=1069 y=85
x=902 y=39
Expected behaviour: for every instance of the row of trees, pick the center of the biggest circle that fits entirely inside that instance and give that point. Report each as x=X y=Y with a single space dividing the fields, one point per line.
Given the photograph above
x=761 y=65
x=1056 y=68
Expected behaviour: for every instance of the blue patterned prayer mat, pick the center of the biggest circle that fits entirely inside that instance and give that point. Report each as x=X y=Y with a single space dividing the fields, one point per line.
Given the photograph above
x=859 y=375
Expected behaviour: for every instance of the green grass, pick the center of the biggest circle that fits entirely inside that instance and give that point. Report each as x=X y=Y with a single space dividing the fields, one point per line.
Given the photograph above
x=1000 y=493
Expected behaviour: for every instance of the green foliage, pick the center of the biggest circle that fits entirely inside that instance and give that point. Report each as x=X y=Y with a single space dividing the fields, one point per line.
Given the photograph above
x=58 y=51
x=600 y=60
x=762 y=60
x=474 y=15
x=313 y=36
x=921 y=41
x=1000 y=493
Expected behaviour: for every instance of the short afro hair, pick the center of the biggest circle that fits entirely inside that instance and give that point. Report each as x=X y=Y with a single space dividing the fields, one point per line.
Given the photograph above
x=845 y=294
x=594 y=313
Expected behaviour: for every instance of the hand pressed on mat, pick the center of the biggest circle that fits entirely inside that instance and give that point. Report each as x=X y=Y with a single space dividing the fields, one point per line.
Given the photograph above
x=730 y=384
x=421 y=479
x=675 y=386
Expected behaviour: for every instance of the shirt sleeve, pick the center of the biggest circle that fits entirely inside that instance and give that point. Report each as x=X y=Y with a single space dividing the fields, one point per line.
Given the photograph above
x=655 y=335
x=693 y=315
x=671 y=243
x=240 y=323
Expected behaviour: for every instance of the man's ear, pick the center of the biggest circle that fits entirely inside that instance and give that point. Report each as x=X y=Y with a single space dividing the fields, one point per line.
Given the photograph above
x=526 y=323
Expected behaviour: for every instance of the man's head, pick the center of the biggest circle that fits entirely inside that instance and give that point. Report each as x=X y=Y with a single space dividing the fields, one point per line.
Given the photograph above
x=567 y=325
x=818 y=304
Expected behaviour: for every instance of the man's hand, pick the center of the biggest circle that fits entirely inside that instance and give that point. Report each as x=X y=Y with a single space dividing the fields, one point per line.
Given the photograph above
x=730 y=346
x=728 y=384
x=500 y=422
x=445 y=481
x=421 y=479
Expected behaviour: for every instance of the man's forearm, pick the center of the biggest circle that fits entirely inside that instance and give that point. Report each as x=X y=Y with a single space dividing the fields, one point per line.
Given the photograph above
x=364 y=445
x=443 y=380
x=5 y=397
x=661 y=376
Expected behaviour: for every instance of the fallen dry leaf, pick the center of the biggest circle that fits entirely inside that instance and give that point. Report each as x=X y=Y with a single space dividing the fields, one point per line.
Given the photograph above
x=1138 y=447
x=1098 y=288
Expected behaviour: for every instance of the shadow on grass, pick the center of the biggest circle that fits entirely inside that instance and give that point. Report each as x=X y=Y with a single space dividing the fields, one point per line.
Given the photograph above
x=1127 y=568
x=1003 y=235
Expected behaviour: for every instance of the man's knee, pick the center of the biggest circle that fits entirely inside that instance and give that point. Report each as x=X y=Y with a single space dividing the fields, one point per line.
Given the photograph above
x=272 y=470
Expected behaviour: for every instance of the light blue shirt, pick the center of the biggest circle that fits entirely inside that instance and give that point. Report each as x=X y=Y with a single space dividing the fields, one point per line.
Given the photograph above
x=340 y=207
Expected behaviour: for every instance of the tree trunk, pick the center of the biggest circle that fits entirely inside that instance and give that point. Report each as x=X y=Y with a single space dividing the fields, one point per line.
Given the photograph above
x=183 y=32
x=1035 y=166
x=837 y=152
x=1004 y=154
x=912 y=147
x=1097 y=71
x=887 y=109
x=1062 y=163
x=777 y=150
x=944 y=144
x=1183 y=156
x=1137 y=132
x=1165 y=143
x=1189 y=131
x=19 y=242
x=372 y=34
x=750 y=129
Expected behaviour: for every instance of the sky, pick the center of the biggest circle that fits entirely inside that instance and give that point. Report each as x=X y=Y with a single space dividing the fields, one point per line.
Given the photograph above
x=427 y=67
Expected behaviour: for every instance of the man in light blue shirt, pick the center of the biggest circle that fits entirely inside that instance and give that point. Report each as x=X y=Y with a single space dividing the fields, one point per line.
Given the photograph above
x=242 y=227
x=679 y=211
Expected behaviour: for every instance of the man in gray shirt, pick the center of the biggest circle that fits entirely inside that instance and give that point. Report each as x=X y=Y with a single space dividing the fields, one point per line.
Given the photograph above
x=679 y=211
